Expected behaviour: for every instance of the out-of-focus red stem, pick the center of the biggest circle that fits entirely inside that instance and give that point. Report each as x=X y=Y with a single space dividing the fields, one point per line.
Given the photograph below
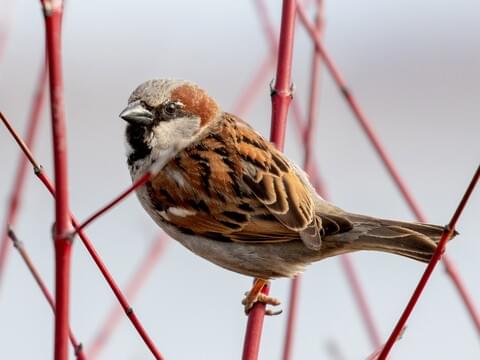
x=135 y=185
x=447 y=234
x=281 y=98
x=77 y=347
x=309 y=129
x=388 y=163
x=361 y=300
x=132 y=289
x=247 y=97
x=291 y=317
x=108 y=277
x=314 y=89
x=53 y=12
x=20 y=177
x=91 y=250
x=321 y=189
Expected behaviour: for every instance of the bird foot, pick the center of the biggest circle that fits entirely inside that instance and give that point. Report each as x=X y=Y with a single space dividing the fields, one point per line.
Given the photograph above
x=255 y=295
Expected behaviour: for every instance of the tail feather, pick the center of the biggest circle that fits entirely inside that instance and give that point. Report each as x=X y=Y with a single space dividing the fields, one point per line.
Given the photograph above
x=414 y=240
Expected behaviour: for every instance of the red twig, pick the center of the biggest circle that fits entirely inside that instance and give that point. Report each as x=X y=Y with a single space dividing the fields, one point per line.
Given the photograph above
x=321 y=189
x=447 y=234
x=309 y=129
x=135 y=185
x=314 y=89
x=93 y=253
x=292 y=317
x=374 y=355
x=77 y=347
x=20 y=176
x=362 y=119
x=132 y=289
x=281 y=98
x=53 y=12
x=282 y=90
x=361 y=300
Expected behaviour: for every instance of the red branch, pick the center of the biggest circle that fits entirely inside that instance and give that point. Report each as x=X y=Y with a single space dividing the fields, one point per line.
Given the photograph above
x=281 y=98
x=77 y=347
x=346 y=262
x=132 y=289
x=91 y=250
x=53 y=11
x=388 y=163
x=281 y=93
x=447 y=234
x=135 y=185
x=309 y=129
x=20 y=177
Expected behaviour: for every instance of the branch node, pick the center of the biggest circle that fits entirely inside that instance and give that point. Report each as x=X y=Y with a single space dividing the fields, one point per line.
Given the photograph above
x=346 y=91
x=11 y=234
x=37 y=170
x=129 y=311
x=70 y=236
x=78 y=349
x=50 y=6
x=274 y=92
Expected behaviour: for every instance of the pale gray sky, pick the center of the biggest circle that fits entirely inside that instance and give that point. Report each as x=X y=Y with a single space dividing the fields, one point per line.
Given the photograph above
x=413 y=66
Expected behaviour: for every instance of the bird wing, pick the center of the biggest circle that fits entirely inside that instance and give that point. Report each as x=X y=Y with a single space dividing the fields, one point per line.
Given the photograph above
x=233 y=185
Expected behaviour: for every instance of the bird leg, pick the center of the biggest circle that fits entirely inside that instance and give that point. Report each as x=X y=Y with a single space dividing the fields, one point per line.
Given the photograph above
x=255 y=295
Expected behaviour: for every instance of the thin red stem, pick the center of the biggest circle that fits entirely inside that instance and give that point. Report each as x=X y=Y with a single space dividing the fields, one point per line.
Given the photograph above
x=282 y=89
x=108 y=277
x=90 y=248
x=292 y=317
x=388 y=163
x=321 y=189
x=361 y=300
x=447 y=234
x=281 y=98
x=138 y=279
x=77 y=347
x=314 y=90
x=53 y=12
x=135 y=185
x=21 y=172
x=346 y=261
x=309 y=129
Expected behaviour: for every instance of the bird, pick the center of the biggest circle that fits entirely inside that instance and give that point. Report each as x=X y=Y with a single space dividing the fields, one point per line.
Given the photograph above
x=228 y=195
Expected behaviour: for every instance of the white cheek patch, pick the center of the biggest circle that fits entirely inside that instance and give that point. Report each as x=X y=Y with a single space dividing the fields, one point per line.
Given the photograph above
x=169 y=137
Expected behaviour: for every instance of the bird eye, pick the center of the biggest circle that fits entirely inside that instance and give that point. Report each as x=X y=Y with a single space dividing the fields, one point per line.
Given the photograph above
x=170 y=108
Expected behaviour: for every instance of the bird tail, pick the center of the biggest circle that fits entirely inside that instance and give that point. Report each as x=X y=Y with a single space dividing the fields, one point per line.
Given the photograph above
x=414 y=240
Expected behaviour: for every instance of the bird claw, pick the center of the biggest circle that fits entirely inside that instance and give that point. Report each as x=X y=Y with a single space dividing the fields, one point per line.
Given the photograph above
x=251 y=299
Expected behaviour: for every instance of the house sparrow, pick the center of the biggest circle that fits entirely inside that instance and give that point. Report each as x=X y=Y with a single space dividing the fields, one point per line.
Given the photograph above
x=229 y=196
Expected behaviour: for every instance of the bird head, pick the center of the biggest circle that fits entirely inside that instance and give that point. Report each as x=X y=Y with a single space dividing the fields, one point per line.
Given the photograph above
x=166 y=115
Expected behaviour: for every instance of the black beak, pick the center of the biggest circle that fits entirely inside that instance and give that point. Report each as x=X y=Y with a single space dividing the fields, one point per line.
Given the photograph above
x=135 y=113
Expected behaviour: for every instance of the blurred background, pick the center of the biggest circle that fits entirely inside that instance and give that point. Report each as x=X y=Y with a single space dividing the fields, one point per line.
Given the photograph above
x=414 y=68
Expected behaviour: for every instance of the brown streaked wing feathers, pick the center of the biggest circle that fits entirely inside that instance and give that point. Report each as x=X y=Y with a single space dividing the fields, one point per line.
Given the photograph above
x=244 y=181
